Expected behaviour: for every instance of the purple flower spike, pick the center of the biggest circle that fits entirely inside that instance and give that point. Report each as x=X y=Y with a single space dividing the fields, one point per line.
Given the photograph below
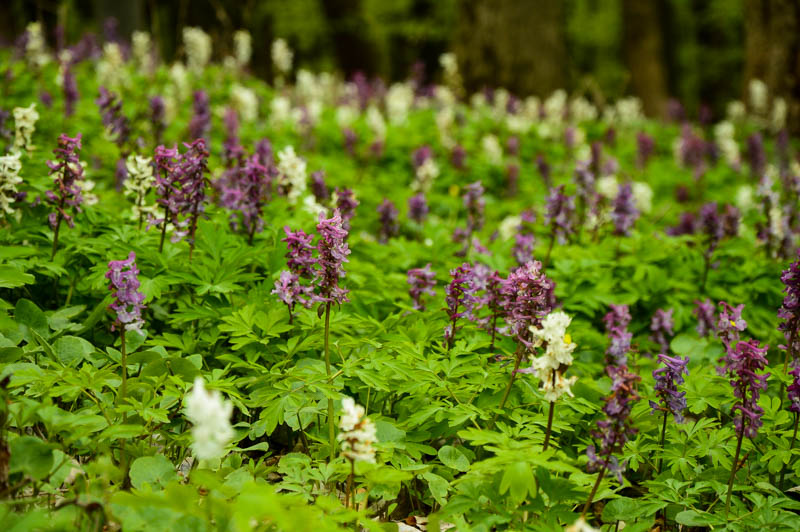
x=617 y=320
x=790 y=309
x=455 y=298
x=158 y=111
x=667 y=379
x=67 y=173
x=793 y=390
x=346 y=204
x=113 y=119
x=387 y=215
x=71 y=94
x=625 y=212
x=527 y=296
x=128 y=302
x=418 y=208
x=318 y=187
x=661 y=327
x=704 y=310
x=421 y=281
x=560 y=211
x=332 y=252
x=475 y=205
x=743 y=364
x=200 y=124
x=645 y=146
x=615 y=430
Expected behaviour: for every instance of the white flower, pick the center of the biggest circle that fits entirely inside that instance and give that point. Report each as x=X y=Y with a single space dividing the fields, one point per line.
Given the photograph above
x=210 y=415
x=735 y=110
x=744 y=197
x=292 y=173
x=426 y=175
x=35 y=47
x=779 y=112
x=10 y=166
x=311 y=206
x=629 y=110
x=582 y=110
x=245 y=102
x=558 y=353
x=111 y=70
x=180 y=81
x=555 y=104
x=282 y=56
x=346 y=115
x=280 y=110
x=642 y=196
x=581 y=526
x=509 y=227
x=492 y=149
x=140 y=180
x=24 y=125
x=399 y=99
x=142 y=50
x=197 y=44
x=356 y=432
x=376 y=123
x=607 y=186
x=243 y=47
x=724 y=133
x=757 y=90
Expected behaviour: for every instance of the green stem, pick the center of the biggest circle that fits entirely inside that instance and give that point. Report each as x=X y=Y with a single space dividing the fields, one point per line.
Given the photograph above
x=593 y=493
x=549 y=425
x=734 y=467
x=549 y=250
x=508 y=387
x=55 y=237
x=791 y=446
x=331 y=430
x=348 y=498
x=661 y=445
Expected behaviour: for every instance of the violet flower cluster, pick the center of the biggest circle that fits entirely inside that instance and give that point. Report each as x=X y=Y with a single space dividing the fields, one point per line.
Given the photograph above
x=524 y=240
x=332 y=252
x=128 y=300
x=319 y=189
x=616 y=321
x=705 y=312
x=421 y=281
x=790 y=309
x=455 y=299
x=661 y=327
x=793 y=390
x=559 y=214
x=418 y=208
x=527 y=297
x=200 y=124
x=729 y=324
x=115 y=122
x=67 y=173
x=667 y=378
x=346 y=204
x=387 y=217
x=624 y=213
x=744 y=363
x=615 y=430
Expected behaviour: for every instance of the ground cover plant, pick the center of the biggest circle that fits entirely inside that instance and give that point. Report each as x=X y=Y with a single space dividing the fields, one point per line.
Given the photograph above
x=322 y=304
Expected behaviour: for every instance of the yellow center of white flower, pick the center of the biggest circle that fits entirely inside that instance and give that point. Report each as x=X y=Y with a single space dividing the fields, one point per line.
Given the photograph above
x=567 y=339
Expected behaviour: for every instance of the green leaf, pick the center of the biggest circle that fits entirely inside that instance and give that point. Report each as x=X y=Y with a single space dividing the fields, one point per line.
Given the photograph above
x=156 y=471
x=134 y=340
x=438 y=486
x=518 y=479
x=453 y=458
x=622 y=509
x=11 y=277
x=30 y=456
x=31 y=317
x=695 y=518
x=71 y=350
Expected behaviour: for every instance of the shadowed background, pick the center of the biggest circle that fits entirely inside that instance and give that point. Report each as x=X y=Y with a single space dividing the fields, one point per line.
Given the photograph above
x=701 y=52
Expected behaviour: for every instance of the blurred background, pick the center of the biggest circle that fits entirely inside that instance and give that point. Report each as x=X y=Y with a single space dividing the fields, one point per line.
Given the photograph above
x=700 y=52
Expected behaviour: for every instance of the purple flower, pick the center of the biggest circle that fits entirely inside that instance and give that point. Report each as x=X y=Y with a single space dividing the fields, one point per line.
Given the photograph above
x=254 y=184
x=790 y=309
x=232 y=150
x=475 y=205
x=744 y=361
x=113 y=119
x=387 y=216
x=46 y=98
x=616 y=321
x=346 y=204
x=704 y=310
x=793 y=390
x=458 y=157
x=756 y=155
x=200 y=124
x=332 y=252
x=264 y=152
x=71 y=94
x=187 y=203
x=730 y=324
x=625 y=212
x=128 y=301
x=615 y=430
x=512 y=173
x=67 y=173
x=544 y=169
x=645 y=146
x=585 y=188
x=661 y=327
x=350 y=141
x=418 y=208
x=421 y=281
x=290 y=291
x=559 y=213
x=300 y=256
x=523 y=247
x=421 y=155
x=157 y=116
x=527 y=296
x=318 y=187
x=455 y=298
x=667 y=379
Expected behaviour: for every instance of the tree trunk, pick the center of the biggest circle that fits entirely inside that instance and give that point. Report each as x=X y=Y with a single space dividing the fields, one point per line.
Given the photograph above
x=355 y=51
x=515 y=44
x=644 y=53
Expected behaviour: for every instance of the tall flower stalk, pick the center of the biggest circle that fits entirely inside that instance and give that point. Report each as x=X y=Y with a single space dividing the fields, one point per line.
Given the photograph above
x=357 y=433
x=794 y=407
x=670 y=400
x=67 y=173
x=613 y=431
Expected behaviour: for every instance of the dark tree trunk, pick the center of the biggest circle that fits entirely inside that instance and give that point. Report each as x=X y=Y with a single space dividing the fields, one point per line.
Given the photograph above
x=516 y=44
x=644 y=53
x=349 y=33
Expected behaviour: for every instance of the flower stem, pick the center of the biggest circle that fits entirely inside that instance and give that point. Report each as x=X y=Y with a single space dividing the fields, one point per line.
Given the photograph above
x=348 y=498
x=661 y=445
x=164 y=229
x=593 y=493
x=508 y=387
x=791 y=446
x=55 y=237
x=734 y=468
x=331 y=431
x=124 y=363
x=549 y=250
x=549 y=425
